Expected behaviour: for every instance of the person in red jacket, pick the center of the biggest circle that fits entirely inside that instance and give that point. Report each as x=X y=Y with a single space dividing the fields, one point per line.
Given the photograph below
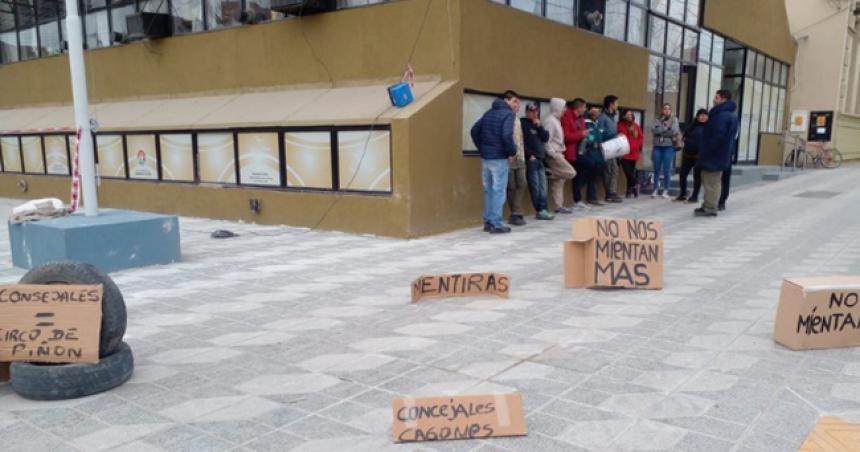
x=573 y=125
x=628 y=127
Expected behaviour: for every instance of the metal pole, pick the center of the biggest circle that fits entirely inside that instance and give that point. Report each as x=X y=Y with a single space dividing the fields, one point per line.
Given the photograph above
x=81 y=102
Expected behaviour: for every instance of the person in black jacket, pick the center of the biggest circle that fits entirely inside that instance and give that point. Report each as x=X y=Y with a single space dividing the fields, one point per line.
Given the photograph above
x=692 y=144
x=534 y=137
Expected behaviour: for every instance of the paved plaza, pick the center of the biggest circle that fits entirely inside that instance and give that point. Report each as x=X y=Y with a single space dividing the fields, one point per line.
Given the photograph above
x=287 y=339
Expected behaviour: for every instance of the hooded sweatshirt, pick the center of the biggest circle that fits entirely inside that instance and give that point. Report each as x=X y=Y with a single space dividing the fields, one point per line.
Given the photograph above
x=552 y=123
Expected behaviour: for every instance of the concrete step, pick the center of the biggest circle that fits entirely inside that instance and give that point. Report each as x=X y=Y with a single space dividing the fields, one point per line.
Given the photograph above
x=741 y=176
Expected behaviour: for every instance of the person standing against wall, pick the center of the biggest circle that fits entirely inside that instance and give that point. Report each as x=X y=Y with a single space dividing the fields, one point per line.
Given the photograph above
x=608 y=129
x=630 y=129
x=575 y=133
x=560 y=170
x=534 y=138
x=665 y=129
x=493 y=134
x=517 y=185
x=718 y=146
x=692 y=144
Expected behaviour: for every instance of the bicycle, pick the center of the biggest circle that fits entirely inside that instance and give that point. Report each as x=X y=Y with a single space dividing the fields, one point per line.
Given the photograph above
x=801 y=157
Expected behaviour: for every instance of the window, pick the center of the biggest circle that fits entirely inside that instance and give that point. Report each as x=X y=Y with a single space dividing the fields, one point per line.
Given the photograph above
x=177 y=157
x=716 y=80
x=188 y=16
x=222 y=13
x=560 y=11
x=705 y=39
x=364 y=160
x=674 y=35
x=658 y=34
x=691 y=43
x=49 y=27
x=259 y=161
x=768 y=69
x=676 y=9
x=56 y=154
x=692 y=12
x=671 y=84
x=11 y=150
x=120 y=10
x=26 y=14
x=636 y=26
x=529 y=6
x=755 y=120
x=616 y=19
x=142 y=157
x=759 y=66
x=592 y=15
x=660 y=6
x=735 y=62
x=765 y=108
x=31 y=147
x=96 y=26
x=216 y=157
x=703 y=99
x=308 y=157
x=258 y=10
x=717 y=50
x=746 y=122
x=110 y=155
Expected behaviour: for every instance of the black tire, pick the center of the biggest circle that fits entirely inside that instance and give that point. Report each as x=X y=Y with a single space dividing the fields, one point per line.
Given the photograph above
x=70 y=381
x=113 y=306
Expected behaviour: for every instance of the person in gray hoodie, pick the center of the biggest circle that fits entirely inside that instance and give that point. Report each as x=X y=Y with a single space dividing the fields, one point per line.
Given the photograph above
x=557 y=166
x=607 y=128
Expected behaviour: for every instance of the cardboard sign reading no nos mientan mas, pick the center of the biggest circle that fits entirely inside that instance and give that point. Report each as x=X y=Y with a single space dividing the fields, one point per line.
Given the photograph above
x=818 y=312
x=457 y=417
x=461 y=285
x=50 y=323
x=614 y=252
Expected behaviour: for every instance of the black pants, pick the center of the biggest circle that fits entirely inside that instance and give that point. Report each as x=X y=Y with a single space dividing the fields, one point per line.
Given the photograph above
x=687 y=165
x=630 y=173
x=727 y=179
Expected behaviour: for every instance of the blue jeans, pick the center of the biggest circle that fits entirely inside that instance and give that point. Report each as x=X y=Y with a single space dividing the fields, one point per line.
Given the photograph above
x=663 y=157
x=494 y=174
x=536 y=175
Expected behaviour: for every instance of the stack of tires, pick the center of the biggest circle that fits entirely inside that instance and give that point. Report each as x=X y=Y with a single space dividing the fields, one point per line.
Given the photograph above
x=41 y=381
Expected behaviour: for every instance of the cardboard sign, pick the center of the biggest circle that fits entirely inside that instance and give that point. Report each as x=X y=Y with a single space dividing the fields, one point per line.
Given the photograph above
x=820 y=312
x=50 y=323
x=461 y=285
x=832 y=434
x=457 y=417
x=610 y=252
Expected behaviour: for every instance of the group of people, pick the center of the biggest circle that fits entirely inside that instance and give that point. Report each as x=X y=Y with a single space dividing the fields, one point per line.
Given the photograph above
x=527 y=154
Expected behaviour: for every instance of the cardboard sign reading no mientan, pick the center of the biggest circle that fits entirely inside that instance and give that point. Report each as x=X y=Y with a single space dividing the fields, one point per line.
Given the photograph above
x=50 y=323
x=461 y=285
x=614 y=252
x=818 y=312
x=457 y=417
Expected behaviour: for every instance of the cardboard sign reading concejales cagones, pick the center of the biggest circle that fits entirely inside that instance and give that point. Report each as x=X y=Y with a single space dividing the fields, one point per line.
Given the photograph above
x=818 y=312
x=457 y=417
x=50 y=323
x=461 y=285
x=614 y=252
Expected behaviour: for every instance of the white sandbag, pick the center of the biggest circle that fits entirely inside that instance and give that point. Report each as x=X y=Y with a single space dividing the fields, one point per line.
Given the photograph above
x=616 y=147
x=38 y=209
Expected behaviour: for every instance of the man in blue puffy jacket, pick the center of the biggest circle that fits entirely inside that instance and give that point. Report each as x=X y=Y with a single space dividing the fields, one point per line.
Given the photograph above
x=718 y=146
x=493 y=134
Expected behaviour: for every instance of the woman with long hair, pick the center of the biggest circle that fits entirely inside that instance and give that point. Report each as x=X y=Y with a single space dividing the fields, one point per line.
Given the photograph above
x=665 y=129
x=692 y=144
x=628 y=127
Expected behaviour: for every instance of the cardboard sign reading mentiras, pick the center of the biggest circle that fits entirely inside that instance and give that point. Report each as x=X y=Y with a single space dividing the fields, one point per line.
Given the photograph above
x=820 y=312
x=461 y=285
x=50 y=323
x=614 y=252
x=457 y=417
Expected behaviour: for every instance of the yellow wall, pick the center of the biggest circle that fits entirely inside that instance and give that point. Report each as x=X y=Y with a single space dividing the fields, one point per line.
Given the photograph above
x=761 y=24
x=847 y=135
x=503 y=48
x=359 y=43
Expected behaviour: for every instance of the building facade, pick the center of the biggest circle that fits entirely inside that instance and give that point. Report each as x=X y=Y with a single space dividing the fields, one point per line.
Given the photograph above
x=827 y=71
x=242 y=104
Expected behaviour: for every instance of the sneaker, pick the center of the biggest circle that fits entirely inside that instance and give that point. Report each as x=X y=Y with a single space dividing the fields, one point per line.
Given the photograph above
x=614 y=200
x=581 y=206
x=666 y=194
x=563 y=210
x=721 y=207
x=487 y=227
x=700 y=212
x=595 y=203
x=499 y=229
x=544 y=215
x=680 y=199
x=694 y=200
x=654 y=194
x=517 y=220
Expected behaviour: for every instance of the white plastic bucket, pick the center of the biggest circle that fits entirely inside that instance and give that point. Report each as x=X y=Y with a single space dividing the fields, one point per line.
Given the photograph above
x=616 y=147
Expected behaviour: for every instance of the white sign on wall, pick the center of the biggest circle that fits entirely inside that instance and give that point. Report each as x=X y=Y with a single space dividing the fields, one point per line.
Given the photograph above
x=799 y=121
